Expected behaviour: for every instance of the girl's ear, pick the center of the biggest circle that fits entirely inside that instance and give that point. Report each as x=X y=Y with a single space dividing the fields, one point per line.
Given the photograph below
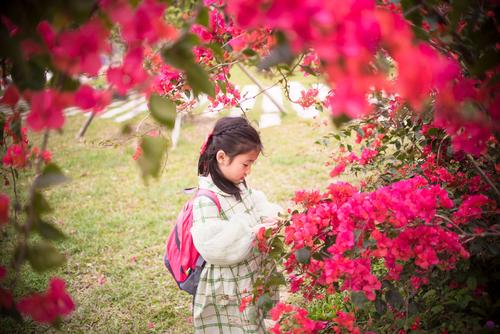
x=221 y=156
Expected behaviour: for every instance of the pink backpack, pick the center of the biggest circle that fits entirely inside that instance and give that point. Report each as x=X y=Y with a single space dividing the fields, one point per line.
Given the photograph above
x=181 y=257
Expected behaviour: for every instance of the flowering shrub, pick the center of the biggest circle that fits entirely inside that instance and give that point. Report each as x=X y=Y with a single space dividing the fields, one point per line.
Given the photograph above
x=421 y=75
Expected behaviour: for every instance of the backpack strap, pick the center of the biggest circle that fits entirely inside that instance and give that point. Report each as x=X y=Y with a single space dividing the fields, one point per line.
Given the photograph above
x=210 y=194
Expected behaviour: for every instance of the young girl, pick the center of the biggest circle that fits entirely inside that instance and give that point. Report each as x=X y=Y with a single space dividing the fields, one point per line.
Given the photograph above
x=225 y=239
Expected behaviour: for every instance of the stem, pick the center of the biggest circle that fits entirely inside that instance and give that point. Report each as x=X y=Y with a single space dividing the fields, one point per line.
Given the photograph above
x=254 y=80
x=16 y=197
x=26 y=230
x=485 y=177
x=439 y=148
x=451 y=222
x=85 y=126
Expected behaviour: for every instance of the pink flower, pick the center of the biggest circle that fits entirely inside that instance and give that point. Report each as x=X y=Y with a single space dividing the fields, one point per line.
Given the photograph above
x=47 y=156
x=49 y=306
x=130 y=74
x=144 y=24
x=87 y=97
x=77 y=51
x=471 y=208
x=4 y=213
x=47 y=109
x=16 y=156
x=11 y=96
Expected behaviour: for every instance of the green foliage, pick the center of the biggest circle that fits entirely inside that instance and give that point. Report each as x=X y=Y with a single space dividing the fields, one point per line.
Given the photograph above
x=163 y=110
x=153 y=151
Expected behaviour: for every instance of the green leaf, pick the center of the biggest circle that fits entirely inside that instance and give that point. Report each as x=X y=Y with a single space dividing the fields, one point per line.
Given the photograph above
x=338 y=121
x=199 y=81
x=49 y=231
x=276 y=279
x=308 y=70
x=380 y=306
x=472 y=282
x=303 y=255
x=202 y=17
x=265 y=303
x=281 y=54
x=249 y=52
x=43 y=256
x=51 y=176
x=180 y=54
x=28 y=75
x=40 y=204
x=153 y=149
x=163 y=110
x=394 y=298
x=359 y=298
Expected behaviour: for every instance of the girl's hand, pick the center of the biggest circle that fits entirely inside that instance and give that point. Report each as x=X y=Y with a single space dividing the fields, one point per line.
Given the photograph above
x=267 y=223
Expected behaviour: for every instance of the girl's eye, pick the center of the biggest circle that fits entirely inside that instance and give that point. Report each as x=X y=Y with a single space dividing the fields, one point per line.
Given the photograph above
x=246 y=165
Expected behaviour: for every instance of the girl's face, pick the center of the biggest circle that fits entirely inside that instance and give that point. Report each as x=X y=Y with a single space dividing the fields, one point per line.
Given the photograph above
x=237 y=169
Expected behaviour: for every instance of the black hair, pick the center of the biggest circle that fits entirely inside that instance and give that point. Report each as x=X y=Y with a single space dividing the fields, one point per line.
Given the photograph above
x=234 y=136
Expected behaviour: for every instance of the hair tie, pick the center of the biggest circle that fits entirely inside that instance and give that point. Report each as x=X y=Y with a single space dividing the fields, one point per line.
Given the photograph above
x=205 y=143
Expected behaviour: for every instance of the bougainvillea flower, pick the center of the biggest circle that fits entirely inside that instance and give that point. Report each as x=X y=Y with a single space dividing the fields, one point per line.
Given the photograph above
x=11 y=96
x=87 y=97
x=49 y=306
x=130 y=74
x=47 y=109
x=77 y=51
x=17 y=155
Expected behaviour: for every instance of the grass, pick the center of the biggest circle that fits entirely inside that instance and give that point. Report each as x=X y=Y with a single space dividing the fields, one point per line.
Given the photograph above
x=117 y=225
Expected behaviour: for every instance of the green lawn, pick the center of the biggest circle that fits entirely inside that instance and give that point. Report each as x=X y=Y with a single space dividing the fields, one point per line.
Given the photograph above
x=117 y=225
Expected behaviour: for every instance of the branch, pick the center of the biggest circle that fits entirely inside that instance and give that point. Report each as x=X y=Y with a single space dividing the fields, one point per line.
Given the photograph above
x=483 y=174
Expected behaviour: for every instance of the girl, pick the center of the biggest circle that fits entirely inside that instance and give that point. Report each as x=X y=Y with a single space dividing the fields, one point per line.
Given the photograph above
x=225 y=239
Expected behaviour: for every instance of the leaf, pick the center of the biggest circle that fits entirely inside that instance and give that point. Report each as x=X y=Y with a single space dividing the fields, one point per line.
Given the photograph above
x=44 y=256
x=163 y=110
x=281 y=54
x=199 y=81
x=394 y=298
x=180 y=54
x=51 y=176
x=308 y=70
x=202 y=17
x=276 y=279
x=380 y=306
x=40 y=204
x=249 y=52
x=359 y=298
x=153 y=149
x=303 y=255
x=338 y=121
x=49 y=231
x=265 y=303
x=472 y=282
x=28 y=75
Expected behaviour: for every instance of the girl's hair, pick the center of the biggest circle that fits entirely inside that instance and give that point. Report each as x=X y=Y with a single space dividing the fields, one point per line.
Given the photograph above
x=234 y=136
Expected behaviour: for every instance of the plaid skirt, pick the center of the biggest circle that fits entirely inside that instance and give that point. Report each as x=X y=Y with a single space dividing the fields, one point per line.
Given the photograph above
x=217 y=301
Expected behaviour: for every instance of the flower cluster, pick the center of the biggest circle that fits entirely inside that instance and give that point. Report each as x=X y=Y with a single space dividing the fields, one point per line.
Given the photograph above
x=347 y=37
x=293 y=319
x=49 y=306
x=396 y=223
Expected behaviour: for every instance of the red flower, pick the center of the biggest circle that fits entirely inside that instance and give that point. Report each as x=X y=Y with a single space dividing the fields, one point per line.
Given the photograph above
x=49 y=306
x=88 y=98
x=11 y=96
x=16 y=155
x=47 y=109
x=130 y=74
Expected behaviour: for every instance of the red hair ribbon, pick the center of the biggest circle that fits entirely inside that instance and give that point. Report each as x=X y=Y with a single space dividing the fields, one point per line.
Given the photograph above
x=205 y=143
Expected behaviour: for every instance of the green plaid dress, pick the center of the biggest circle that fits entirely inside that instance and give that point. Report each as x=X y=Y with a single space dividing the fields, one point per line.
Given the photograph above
x=221 y=286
